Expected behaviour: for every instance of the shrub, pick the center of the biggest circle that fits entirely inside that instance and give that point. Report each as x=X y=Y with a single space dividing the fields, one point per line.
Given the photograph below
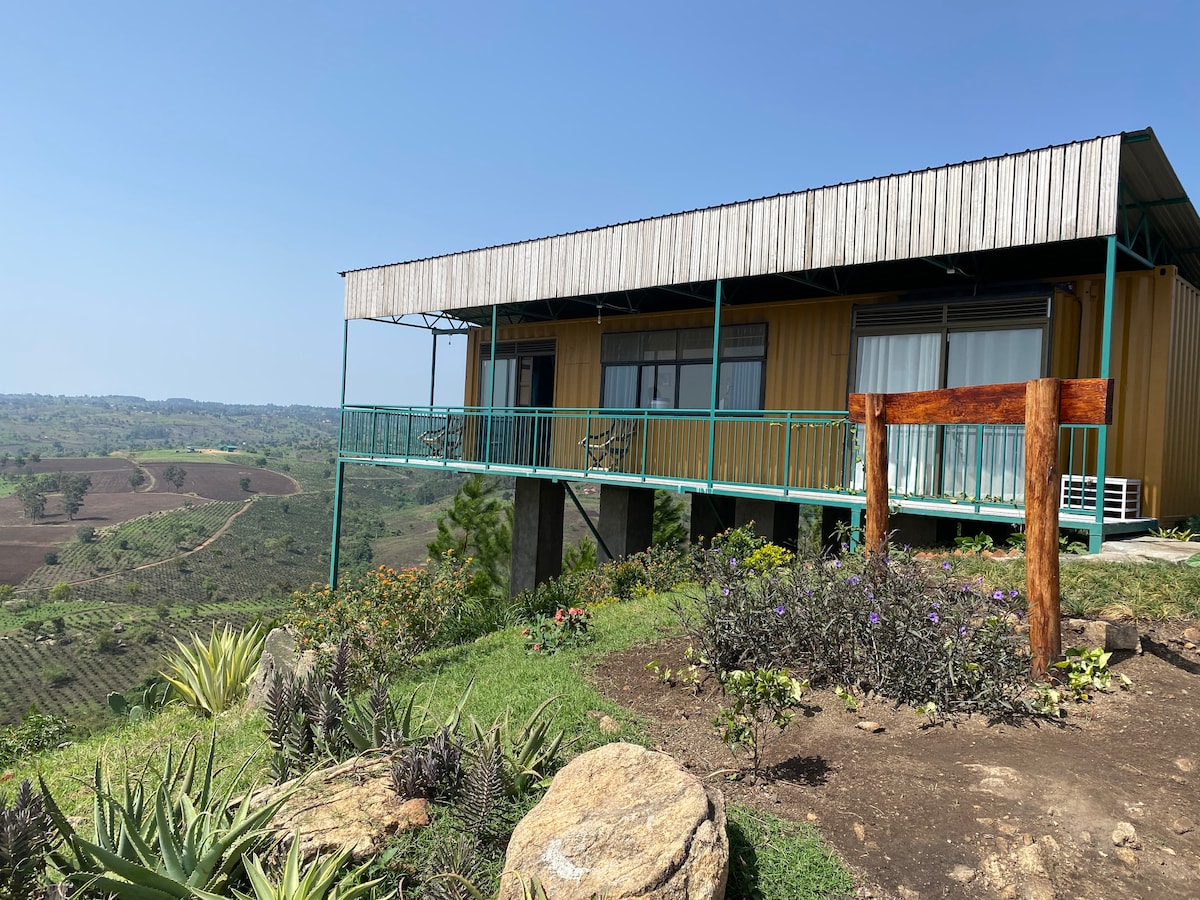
x=387 y=617
x=33 y=734
x=211 y=677
x=107 y=642
x=56 y=675
x=85 y=534
x=567 y=628
x=759 y=700
x=51 y=558
x=888 y=624
x=61 y=592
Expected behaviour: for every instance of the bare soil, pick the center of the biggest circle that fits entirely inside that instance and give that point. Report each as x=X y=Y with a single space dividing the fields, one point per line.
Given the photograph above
x=221 y=481
x=112 y=500
x=971 y=808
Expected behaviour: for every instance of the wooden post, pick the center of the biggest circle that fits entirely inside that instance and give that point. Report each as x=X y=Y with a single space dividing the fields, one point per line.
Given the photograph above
x=875 y=461
x=1042 y=399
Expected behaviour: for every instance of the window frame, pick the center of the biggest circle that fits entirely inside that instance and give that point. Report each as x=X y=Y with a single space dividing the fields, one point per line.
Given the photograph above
x=680 y=361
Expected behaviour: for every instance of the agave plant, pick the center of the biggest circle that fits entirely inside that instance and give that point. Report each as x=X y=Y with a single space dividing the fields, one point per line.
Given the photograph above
x=528 y=755
x=178 y=840
x=321 y=880
x=213 y=677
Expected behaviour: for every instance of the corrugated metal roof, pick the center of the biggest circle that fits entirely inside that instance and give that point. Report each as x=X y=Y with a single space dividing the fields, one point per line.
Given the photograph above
x=1151 y=183
x=1060 y=193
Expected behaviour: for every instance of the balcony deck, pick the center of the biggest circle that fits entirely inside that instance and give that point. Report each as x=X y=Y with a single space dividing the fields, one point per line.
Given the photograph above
x=801 y=456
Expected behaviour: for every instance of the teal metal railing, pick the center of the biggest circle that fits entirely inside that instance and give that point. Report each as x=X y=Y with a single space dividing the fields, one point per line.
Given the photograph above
x=801 y=454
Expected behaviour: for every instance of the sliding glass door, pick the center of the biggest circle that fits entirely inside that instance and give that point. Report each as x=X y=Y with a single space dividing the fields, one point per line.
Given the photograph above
x=954 y=460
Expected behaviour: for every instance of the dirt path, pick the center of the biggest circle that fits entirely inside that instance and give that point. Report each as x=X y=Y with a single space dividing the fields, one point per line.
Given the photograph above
x=1106 y=806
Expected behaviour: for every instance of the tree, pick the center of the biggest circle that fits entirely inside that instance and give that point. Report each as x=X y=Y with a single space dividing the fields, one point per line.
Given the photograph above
x=72 y=489
x=245 y=483
x=668 y=521
x=61 y=592
x=174 y=475
x=137 y=478
x=479 y=525
x=32 y=497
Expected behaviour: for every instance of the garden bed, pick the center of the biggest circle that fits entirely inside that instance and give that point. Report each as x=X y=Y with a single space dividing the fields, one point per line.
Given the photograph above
x=965 y=808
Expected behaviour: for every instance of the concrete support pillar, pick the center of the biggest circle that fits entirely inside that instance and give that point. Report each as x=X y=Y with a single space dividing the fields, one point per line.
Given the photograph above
x=626 y=519
x=537 y=533
x=711 y=514
x=775 y=520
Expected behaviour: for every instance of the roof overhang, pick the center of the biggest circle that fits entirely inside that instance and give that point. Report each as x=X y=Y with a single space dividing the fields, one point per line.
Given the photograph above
x=1041 y=208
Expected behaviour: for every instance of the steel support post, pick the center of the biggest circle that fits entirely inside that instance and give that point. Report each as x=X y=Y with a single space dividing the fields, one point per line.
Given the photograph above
x=341 y=466
x=1096 y=533
x=712 y=401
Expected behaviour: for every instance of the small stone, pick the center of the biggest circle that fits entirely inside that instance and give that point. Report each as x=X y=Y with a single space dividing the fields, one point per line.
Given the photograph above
x=860 y=831
x=1124 y=835
x=907 y=893
x=119 y=628
x=1189 y=646
x=1038 y=888
x=813 y=817
x=1185 y=763
x=1085 y=837
x=1127 y=856
x=1183 y=825
x=1135 y=812
x=1192 y=635
x=609 y=725
x=870 y=727
x=962 y=874
x=1007 y=828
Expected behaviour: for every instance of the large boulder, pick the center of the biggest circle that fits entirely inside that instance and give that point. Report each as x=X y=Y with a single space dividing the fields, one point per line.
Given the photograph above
x=280 y=654
x=622 y=822
x=351 y=803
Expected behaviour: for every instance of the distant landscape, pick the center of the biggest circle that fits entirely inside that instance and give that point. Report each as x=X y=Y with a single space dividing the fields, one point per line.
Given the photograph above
x=145 y=560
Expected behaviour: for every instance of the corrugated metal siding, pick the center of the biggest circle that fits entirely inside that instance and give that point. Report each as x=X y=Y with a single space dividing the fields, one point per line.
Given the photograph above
x=1181 y=458
x=1059 y=193
x=1140 y=340
x=808 y=346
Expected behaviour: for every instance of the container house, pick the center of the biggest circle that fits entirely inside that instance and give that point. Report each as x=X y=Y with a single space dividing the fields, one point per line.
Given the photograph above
x=711 y=352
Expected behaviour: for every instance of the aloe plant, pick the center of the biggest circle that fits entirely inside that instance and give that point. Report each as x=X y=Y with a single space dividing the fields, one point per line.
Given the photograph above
x=178 y=840
x=528 y=755
x=321 y=880
x=213 y=677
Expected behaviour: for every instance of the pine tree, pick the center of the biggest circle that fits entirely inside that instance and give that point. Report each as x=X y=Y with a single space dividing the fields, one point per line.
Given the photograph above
x=668 y=521
x=478 y=524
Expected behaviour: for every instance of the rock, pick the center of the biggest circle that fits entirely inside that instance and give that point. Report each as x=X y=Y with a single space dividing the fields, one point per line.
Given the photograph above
x=1192 y=635
x=119 y=628
x=962 y=874
x=1182 y=825
x=622 y=822
x=279 y=655
x=609 y=725
x=1185 y=763
x=1124 y=835
x=1109 y=635
x=870 y=727
x=1127 y=856
x=350 y=803
x=860 y=831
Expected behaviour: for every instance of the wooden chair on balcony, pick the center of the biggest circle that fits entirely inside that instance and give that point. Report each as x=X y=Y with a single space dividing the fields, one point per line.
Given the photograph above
x=608 y=447
x=445 y=441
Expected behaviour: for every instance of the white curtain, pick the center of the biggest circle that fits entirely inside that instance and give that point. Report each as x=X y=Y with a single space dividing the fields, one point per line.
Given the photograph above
x=990 y=458
x=893 y=364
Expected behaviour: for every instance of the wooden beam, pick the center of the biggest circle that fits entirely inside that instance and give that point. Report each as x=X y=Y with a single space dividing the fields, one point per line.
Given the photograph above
x=1043 y=401
x=1083 y=401
x=875 y=461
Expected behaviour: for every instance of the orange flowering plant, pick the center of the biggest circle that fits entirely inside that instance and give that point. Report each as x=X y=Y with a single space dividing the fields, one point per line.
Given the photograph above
x=387 y=616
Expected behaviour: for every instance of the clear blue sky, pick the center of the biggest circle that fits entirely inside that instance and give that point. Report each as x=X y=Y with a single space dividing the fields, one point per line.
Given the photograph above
x=181 y=183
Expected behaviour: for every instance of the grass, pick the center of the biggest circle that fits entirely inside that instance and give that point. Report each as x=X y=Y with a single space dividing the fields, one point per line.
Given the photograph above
x=771 y=859
x=1116 y=590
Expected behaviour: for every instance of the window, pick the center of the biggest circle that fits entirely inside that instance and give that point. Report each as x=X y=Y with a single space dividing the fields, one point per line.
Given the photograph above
x=919 y=348
x=673 y=369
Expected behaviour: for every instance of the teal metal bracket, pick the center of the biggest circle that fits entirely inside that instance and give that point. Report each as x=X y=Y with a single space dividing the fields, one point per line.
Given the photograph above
x=587 y=520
